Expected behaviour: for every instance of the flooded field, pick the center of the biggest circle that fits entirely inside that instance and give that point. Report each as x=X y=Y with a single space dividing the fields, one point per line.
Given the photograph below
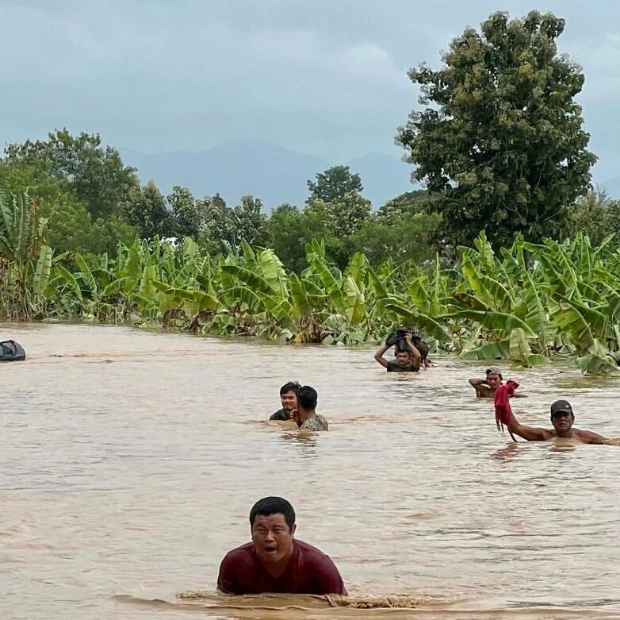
x=129 y=461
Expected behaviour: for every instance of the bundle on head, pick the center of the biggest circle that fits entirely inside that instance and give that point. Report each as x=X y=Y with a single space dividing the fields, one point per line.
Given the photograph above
x=503 y=411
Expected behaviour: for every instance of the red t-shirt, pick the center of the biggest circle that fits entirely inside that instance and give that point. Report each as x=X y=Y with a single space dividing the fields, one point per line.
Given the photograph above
x=309 y=571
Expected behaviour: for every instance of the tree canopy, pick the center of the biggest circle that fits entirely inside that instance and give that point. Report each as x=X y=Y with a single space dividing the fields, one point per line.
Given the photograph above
x=499 y=139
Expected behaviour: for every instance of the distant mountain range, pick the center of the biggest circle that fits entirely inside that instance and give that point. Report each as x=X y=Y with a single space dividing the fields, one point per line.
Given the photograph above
x=274 y=174
x=271 y=173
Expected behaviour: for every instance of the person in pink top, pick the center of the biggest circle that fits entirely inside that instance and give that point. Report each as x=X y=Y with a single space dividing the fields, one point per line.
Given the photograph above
x=275 y=561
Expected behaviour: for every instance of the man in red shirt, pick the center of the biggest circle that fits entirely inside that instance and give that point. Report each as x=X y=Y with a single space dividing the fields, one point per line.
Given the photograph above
x=275 y=561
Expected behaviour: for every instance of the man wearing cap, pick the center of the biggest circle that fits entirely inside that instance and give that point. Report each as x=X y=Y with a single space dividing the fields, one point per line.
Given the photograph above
x=562 y=418
x=485 y=388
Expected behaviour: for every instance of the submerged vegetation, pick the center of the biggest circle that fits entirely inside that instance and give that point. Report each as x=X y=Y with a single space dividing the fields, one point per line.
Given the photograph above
x=507 y=253
x=527 y=303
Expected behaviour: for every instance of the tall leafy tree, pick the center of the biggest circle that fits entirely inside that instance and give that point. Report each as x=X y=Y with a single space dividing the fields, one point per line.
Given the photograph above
x=93 y=172
x=500 y=136
x=189 y=215
x=145 y=209
x=249 y=221
x=333 y=184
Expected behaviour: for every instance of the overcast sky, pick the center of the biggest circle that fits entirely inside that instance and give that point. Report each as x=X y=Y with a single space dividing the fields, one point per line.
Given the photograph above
x=322 y=77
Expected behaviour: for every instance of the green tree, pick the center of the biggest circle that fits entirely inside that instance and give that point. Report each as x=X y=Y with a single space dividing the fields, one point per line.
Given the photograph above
x=333 y=184
x=189 y=215
x=500 y=138
x=249 y=221
x=94 y=173
x=595 y=215
x=69 y=224
x=404 y=237
x=145 y=209
x=289 y=229
x=226 y=227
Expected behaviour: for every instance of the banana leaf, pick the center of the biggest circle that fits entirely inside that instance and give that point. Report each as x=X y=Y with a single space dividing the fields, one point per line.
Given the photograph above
x=595 y=365
x=301 y=305
x=255 y=281
x=489 y=351
x=494 y=321
x=43 y=270
x=356 y=303
x=425 y=323
x=274 y=273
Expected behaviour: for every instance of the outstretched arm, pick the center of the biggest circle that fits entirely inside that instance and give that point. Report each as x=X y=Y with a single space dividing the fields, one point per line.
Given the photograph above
x=504 y=415
x=528 y=433
x=590 y=437
x=379 y=355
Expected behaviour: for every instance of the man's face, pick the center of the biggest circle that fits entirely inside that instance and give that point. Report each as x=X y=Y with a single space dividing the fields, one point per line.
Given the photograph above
x=272 y=538
x=493 y=380
x=402 y=358
x=289 y=401
x=562 y=421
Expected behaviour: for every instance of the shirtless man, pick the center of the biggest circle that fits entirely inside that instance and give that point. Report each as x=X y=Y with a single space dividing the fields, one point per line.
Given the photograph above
x=562 y=418
x=485 y=388
x=406 y=361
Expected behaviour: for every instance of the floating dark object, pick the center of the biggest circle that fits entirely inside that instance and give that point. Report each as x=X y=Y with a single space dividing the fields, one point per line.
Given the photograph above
x=11 y=351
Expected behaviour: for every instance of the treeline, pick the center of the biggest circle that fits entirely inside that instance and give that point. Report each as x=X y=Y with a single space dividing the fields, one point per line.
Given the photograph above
x=497 y=140
x=92 y=200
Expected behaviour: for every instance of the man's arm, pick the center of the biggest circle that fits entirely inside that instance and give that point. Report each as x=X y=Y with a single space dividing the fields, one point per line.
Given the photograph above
x=327 y=579
x=415 y=353
x=477 y=382
x=527 y=432
x=379 y=355
x=590 y=437
x=225 y=578
x=480 y=385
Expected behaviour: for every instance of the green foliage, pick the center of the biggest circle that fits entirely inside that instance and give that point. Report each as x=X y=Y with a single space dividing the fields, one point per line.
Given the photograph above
x=333 y=184
x=146 y=210
x=500 y=140
x=594 y=215
x=21 y=266
x=94 y=174
x=226 y=227
x=189 y=215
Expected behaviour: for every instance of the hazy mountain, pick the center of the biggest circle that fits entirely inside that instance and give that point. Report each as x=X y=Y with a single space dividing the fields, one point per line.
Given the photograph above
x=274 y=174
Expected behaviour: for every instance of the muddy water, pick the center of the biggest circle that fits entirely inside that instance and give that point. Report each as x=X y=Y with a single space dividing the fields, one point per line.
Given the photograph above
x=129 y=461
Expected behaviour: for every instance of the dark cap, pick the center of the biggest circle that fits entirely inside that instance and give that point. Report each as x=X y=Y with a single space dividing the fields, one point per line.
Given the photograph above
x=494 y=370
x=561 y=406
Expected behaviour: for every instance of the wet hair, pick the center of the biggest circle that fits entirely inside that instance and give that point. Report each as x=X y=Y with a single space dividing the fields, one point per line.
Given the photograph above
x=271 y=506
x=307 y=397
x=291 y=386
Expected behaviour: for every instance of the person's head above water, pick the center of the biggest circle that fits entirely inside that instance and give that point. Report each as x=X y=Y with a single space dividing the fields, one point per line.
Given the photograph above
x=288 y=395
x=403 y=358
x=493 y=377
x=307 y=398
x=562 y=417
x=272 y=525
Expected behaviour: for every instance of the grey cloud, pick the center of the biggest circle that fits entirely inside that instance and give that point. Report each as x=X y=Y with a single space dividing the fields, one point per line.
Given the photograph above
x=322 y=77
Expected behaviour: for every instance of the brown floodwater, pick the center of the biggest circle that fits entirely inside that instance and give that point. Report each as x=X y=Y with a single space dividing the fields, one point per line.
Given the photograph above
x=129 y=461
